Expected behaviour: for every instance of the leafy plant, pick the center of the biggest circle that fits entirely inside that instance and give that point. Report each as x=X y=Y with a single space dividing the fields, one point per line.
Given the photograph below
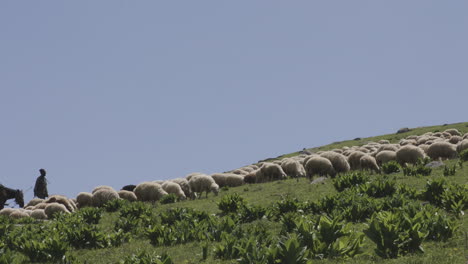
x=170 y=198
x=115 y=205
x=464 y=155
x=450 y=171
x=143 y=257
x=90 y=215
x=390 y=167
x=231 y=203
x=349 y=180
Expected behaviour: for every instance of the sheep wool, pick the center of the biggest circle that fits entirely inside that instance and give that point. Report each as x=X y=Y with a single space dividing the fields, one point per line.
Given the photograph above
x=409 y=154
x=33 y=202
x=443 y=150
x=385 y=156
x=462 y=145
x=234 y=180
x=455 y=139
x=339 y=162
x=54 y=208
x=183 y=183
x=319 y=166
x=61 y=199
x=103 y=196
x=127 y=195
x=149 y=192
x=293 y=168
x=84 y=199
x=101 y=187
x=203 y=183
x=354 y=159
x=369 y=163
x=220 y=179
x=18 y=214
x=270 y=172
x=452 y=132
x=6 y=211
x=38 y=214
x=172 y=187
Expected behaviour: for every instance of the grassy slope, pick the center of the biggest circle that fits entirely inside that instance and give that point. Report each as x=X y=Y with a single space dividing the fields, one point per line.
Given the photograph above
x=454 y=251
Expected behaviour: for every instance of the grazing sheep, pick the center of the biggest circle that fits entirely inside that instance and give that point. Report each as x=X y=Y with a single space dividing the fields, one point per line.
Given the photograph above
x=307 y=158
x=339 y=162
x=424 y=147
x=240 y=172
x=18 y=214
x=220 y=179
x=149 y=191
x=54 y=208
x=61 y=199
x=189 y=176
x=39 y=214
x=446 y=135
x=452 y=132
x=203 y=183
x=6 y=211
x=385 y=156
x=293 y=168
x=103 y=196
x=34 y=201
x=391 y=147
x=443 y=150
x=319 y=166
x=185 y=187
x=455 y=139
x=270 y=172
x=354 y=159
x=369 y=163
x=172 y=187
x=251 y=177
x=247 y=169
x=129 y=187
x=127 y=195
x=233 y=180
x=409 y=154
x=405 y=142
x=40 y=206
x=465 y=136
x=84 y=199
x=384 y=142
x=462 y=145
x=101 y=187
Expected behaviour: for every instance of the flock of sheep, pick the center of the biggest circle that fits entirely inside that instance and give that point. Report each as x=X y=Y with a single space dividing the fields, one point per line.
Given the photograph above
x=439 y=145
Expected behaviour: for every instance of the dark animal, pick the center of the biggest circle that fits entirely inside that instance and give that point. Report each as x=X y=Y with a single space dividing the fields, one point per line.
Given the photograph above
x=129 y=187
x=8 y=193
x=40 y=188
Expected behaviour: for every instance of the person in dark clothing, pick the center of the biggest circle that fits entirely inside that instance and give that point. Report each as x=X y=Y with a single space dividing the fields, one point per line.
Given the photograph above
x=40 y=189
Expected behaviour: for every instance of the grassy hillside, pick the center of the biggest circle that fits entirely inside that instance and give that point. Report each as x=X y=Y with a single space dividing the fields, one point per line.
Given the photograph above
x=271 y=214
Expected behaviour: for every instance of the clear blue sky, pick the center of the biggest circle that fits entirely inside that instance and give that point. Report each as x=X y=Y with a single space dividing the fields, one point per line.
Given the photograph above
x=120 y=92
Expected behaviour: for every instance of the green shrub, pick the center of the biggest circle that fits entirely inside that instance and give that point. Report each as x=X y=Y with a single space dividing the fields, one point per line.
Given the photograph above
x=379 y=188
x=348 y=180
x=395 y=234
x=90 y=215
x=231 y=203
x=170 y=198
x=390 y=167
x=136 y=209
x=464 y=155
x=143 y=257
x=114 y=205
x=450 y=171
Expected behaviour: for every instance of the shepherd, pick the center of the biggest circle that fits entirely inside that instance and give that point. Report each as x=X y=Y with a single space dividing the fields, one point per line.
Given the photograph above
x=40 y=189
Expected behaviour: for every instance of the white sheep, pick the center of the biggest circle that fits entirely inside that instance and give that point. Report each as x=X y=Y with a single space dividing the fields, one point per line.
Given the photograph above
x=53 y=208
x=183 y=183
x=18 y=214
x=339 y=162
x=127 y=195
x=6 y=211
x=270 y=172
x=293 y=168
x=462 y=145
x=103 y=196
x=452 y=132
x=172 y=187
x=61 y=199
x=42 y=205
x=443 y=150
x=189 y=176
x=385 y=156
x=39 y=214
x=455 y=139
x=369 y=163
x=465 y=136
x=84 y=199
x=203 y=183
x=319 y=166
x=409 y=154
x=101 y=187
x=220 y=179
x=354 y=159
x=233 y=180
x=33 y=202
x=149 y=191
x=384 y=142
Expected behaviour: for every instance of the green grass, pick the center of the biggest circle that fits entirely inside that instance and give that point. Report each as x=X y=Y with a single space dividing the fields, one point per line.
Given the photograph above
x=451 y=252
